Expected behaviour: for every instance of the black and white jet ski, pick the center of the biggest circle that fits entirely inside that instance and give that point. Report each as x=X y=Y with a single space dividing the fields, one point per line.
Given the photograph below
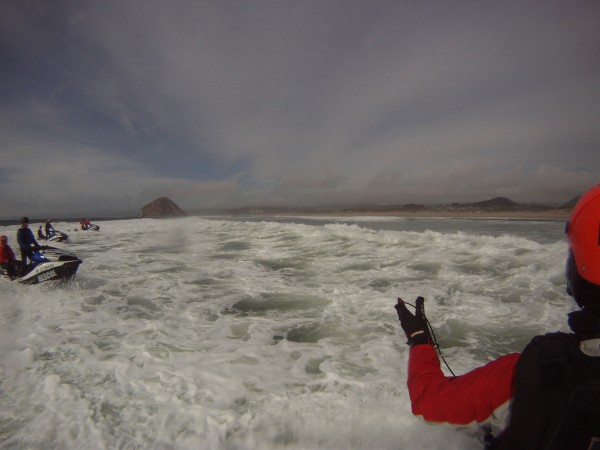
x=49 y=264
x=57 y=236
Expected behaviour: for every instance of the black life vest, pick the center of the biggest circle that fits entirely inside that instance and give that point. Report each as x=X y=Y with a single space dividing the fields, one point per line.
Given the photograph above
x=557 y=398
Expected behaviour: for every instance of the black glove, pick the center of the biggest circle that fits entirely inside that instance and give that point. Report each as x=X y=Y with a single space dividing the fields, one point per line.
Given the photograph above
x=414 y=326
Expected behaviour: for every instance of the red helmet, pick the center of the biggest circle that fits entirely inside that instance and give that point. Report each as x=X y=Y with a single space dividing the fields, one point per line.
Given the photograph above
x=583 y=232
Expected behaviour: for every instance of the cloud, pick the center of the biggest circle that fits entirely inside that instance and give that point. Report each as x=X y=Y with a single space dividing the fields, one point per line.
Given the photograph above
x=260 y=102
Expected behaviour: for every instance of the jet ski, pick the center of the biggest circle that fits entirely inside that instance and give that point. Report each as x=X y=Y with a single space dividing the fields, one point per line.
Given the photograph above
x=91 y=227
x=57 y=236
x=49 y=264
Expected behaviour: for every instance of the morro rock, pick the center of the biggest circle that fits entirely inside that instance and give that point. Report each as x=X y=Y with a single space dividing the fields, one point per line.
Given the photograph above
x=162 y=207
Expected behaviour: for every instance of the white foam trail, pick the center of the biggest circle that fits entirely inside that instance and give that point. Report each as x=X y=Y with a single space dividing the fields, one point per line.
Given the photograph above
x=215 y=333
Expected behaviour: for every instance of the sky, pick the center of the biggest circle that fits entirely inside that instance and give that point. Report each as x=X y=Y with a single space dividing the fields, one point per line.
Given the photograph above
x=107 y=105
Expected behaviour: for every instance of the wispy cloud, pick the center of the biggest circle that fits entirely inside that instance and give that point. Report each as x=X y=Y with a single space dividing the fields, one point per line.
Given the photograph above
x=263 y=102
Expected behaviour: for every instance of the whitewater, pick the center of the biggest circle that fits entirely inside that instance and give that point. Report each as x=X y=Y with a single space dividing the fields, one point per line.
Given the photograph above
x=264 y=333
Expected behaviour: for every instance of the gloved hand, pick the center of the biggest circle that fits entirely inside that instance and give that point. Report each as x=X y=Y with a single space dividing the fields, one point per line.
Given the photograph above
x=414 y=326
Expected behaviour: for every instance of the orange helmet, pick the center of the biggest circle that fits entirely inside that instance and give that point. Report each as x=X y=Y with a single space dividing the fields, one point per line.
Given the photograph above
x=583 y=233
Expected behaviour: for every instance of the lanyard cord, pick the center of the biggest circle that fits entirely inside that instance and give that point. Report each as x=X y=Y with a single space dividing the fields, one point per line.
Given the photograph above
x=434 y=340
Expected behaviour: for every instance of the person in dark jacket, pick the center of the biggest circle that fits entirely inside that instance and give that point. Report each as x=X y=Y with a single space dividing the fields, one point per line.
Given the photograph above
x=50 y=231
x=26 y=241
x=548 y=396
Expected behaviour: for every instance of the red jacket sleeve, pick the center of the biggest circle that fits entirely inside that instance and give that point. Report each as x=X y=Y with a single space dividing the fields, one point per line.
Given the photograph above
x=462 y=400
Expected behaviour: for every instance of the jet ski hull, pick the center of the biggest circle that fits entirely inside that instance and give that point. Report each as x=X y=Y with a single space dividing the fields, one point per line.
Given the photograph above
x=51 y=271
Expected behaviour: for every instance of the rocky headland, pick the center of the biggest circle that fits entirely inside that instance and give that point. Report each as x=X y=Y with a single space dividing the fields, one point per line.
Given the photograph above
x=162 y=207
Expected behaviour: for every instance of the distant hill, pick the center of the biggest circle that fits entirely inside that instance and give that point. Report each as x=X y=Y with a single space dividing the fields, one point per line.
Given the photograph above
x=571 y=203
x=506 y=204
x=162 y=207
x=497 y=204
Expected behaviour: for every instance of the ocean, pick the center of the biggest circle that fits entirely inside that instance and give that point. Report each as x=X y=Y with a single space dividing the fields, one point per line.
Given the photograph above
x=264 y=333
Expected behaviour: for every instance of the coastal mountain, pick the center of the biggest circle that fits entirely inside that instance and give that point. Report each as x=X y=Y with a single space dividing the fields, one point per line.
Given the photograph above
x=162 y=207
x=494 y=205
x=571 y=203
x=497 y=204
x=504 y=204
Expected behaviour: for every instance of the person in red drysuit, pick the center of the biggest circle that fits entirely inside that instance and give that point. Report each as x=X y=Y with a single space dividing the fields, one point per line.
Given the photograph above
x=548 y=396
x=7 y=257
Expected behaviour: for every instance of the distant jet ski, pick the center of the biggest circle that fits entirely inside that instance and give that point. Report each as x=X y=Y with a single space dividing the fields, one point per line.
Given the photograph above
x=91 y=227
x=57 y=236
x=49 y=264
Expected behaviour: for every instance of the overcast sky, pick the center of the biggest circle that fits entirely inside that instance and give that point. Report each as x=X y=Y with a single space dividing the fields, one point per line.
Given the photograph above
x=106 y=105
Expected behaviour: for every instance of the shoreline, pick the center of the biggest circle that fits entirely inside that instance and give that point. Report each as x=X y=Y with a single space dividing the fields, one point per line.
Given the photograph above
x=549 y=214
